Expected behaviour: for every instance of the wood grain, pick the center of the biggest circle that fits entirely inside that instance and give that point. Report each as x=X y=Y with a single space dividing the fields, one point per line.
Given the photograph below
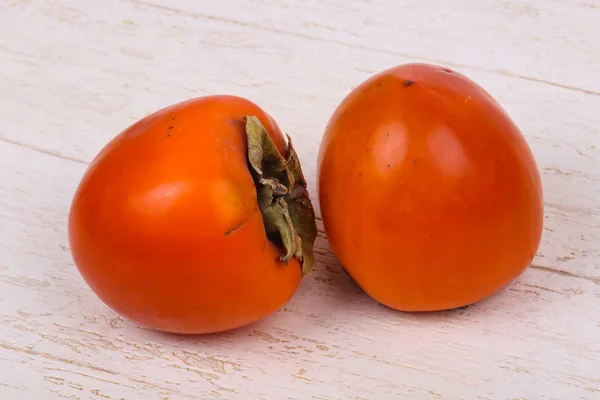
x=75 y=73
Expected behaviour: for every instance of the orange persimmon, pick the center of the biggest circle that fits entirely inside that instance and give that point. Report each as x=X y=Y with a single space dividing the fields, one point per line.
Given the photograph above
x=195 y=219
x=429 y=193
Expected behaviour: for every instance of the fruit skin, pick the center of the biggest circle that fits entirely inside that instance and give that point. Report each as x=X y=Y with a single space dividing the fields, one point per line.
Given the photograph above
x=430 y=196
x=165 y=226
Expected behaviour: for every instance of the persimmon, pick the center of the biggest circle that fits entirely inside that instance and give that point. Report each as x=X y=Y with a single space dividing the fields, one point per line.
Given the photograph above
x=195 y=219
x=430 y=195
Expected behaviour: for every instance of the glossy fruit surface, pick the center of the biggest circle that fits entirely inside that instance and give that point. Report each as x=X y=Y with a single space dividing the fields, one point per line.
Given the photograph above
x=429 y=193
x=169 y=229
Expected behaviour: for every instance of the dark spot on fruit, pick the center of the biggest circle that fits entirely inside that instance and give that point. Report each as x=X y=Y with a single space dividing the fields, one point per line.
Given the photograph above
x=389 y=165
x=379 y=84
x=414 y=161
x=170 y=127
x=447 y=70
x=360 y=174
x=236 y=122
x=408 y=82
x=229 y=232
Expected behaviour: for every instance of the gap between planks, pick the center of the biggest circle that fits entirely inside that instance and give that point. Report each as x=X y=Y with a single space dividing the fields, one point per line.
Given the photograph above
x=501 y=72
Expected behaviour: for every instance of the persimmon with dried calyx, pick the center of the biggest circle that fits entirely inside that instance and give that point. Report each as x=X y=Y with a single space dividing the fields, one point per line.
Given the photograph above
x=195 y=219
x=429 y=193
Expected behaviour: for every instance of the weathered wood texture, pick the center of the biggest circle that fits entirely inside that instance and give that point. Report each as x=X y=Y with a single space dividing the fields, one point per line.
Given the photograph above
x=75 y=73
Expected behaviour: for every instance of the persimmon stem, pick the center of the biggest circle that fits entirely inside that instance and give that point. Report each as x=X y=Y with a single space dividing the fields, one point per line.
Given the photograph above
x=282 y=196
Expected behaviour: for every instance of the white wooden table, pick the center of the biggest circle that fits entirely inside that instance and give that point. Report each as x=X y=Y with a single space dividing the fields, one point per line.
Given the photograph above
x=75 y=73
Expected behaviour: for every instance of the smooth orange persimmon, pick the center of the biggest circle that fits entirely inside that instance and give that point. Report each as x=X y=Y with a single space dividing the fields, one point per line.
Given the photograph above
x=429 y=193
x=195 y=219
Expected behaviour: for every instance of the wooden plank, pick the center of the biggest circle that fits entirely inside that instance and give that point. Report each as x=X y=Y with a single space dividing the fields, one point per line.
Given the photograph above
x=80 y=73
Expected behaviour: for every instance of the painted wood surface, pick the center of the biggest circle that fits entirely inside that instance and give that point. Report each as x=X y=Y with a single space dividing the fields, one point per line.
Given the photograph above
x=75 y=73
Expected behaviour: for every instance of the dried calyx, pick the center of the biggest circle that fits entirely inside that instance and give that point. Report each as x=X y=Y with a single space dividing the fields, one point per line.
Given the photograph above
x=283 y=200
